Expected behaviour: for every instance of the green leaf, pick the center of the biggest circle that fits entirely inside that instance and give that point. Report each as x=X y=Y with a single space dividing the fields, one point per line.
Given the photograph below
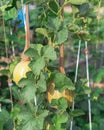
x=29 y=125
x=83 y=9
x=14 y=113
x=100 y=75
x=24 y=115
x=3 y=7
x=54 y=23
x=87 y=90
x=73 y=27
x=28 y=93
x=75 y=9
x=62 y=36
x=61 y=103
x=62 y=82
x=42 y=31
x=37 y=66
x=49 y=52
x=41 y=85
x=78 y=2
x=10 y=14
x=76 y=113
x=53 y=5
x=34 y=17
x=4 y=116
x=96 y=93
x=32 y=53
x=31 y=122
x=37 y=47
x=15 y=92
x=30 y=76
x=60 y=118
x=26 y=82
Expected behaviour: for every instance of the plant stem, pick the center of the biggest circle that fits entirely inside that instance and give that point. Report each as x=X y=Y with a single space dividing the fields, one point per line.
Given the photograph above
x=61 y=59
x=61 y=55
x=27 y=45
x=27 y=29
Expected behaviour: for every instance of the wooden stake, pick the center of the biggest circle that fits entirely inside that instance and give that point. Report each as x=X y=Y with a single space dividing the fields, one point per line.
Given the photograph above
x=61 y=59
x=99 y=85
x=61 y=55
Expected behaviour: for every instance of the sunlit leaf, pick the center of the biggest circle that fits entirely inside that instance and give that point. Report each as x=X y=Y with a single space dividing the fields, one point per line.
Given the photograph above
x=49 y=52
x=62 y=36
x=37 y=66
x=42 y=31
x=78 y=2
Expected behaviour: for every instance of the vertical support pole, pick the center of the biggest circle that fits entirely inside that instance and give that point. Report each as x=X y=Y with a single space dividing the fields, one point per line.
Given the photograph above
x=87 y=74
x=75 y=80
x=61 y=51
